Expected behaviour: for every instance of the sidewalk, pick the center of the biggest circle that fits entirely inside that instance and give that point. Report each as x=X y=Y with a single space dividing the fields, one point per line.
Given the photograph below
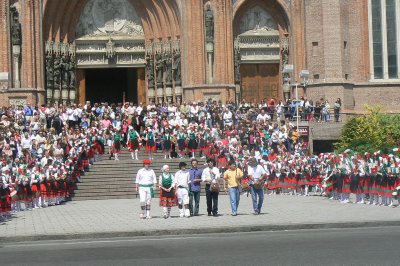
x=117 y=218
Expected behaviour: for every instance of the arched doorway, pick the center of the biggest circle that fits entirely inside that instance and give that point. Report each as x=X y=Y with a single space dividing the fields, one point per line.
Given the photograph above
x=110 y=52
x=89 y=43
x=261 y=46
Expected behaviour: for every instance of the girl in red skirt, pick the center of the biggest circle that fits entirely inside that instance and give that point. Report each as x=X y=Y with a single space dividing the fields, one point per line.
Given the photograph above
x=181 y=139
x=167 y=144
x=5 y=199
x=117 y=138
x=167 y=191
x=150 y=143
x=133 y=142
x=35 y=187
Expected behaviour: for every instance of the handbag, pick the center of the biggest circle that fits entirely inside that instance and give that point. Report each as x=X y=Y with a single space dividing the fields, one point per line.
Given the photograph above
x=214 y=187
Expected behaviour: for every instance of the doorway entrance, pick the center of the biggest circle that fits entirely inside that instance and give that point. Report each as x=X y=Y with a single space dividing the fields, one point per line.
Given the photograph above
x=260 y=81
x=111 y=85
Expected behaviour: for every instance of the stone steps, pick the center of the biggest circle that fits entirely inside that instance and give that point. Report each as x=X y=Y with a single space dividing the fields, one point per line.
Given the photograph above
x=110 y=179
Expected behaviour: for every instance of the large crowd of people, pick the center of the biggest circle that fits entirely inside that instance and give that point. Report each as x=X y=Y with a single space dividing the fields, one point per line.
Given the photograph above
x=45 y=150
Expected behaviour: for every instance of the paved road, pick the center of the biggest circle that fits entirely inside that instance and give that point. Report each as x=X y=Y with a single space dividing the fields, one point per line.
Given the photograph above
x=112 y=218
x=363 y=246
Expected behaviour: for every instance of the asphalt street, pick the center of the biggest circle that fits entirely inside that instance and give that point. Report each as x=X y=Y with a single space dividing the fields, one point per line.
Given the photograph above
x=362 y=246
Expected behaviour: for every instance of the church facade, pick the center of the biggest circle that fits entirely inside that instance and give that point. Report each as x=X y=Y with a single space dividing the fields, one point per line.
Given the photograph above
x=195 y=50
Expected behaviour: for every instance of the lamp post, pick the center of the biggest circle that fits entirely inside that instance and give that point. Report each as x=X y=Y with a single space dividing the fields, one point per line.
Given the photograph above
x=297 y=107
x=304 y=74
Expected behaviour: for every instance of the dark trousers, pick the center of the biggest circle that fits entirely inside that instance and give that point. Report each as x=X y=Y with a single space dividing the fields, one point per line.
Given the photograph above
x=212 y=201
x=194 y=210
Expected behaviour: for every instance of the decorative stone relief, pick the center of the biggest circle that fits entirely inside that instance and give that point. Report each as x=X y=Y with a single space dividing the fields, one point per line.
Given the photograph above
x=257 y=19
x=109 y=17
x=259 y=39
x=17 y=101
x=213 y=96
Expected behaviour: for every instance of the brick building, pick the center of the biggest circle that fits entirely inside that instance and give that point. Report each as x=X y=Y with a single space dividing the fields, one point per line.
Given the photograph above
x=143 y=50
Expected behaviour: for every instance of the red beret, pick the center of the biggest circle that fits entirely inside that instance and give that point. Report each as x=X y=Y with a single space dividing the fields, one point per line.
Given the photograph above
x=146 y=161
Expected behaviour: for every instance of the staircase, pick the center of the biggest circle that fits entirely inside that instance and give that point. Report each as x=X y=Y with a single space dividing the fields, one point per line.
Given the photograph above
x=110 y=179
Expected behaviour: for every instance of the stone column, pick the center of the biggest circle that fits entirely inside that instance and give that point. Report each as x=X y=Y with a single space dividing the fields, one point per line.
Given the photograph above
x=16 y=65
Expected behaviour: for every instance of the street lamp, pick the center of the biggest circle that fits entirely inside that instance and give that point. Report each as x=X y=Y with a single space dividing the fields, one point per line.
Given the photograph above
x=304 y=74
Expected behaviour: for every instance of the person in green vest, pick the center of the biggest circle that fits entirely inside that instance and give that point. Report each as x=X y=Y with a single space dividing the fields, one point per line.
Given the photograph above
x=133 y=142
x=167 y=191
x=181 y=139
x=150 y=143
x=117 y=138
x=167 y=144
x=192 y=146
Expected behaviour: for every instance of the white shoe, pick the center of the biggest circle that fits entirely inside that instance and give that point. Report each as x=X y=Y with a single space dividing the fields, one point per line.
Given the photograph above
x=141 y=216
x=148 y=217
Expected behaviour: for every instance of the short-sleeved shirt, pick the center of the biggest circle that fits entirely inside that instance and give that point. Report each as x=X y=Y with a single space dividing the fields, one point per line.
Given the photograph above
x=233 y=177
x=256 y=172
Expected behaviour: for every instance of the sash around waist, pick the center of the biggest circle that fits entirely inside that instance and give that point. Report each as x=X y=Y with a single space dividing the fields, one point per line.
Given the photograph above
x=146 y=185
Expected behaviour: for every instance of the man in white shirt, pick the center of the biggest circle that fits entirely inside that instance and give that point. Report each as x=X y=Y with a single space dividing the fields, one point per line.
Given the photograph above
x=227 y=117
x=146 y=181
x=181 y=183
x=263 y=117
x=257 y=175
x=72 y=116
x=26 y=142
x=211 y=176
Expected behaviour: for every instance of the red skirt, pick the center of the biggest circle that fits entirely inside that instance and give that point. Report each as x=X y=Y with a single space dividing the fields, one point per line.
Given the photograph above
x=166 y=201
x=133 y=145
x=150 y=148
x=346 y=185
x=116 y=148
x=272 y=183
x=5 y=202
x=222 y=162
x=36 y=191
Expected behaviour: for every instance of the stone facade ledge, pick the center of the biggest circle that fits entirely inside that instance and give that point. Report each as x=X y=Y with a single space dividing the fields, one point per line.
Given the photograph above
x=210 y=86
x=21 y=90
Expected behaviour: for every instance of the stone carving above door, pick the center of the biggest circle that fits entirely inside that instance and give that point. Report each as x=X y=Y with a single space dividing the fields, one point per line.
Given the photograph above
x=258 y=38
x=109 y=17
x=257 y=19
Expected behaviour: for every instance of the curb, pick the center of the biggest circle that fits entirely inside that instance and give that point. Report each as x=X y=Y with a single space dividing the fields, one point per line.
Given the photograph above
x=176 y=232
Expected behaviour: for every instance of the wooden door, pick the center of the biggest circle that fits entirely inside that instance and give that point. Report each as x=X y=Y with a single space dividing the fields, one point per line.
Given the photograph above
x=260 y=81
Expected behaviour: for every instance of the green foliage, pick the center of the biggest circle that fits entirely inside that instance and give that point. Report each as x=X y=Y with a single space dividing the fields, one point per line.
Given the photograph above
x=370 y=133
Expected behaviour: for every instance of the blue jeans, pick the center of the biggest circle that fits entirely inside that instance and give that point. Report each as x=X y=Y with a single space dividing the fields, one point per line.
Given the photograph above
x=234 y=196
x=257 y=204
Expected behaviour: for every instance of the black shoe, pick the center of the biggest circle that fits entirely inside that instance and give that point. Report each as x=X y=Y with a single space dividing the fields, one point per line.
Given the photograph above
x=196 y=214
x=209 y=214
x=215 y=214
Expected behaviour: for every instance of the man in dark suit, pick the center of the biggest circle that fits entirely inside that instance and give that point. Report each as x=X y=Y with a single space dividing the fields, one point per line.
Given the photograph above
x=136 y=122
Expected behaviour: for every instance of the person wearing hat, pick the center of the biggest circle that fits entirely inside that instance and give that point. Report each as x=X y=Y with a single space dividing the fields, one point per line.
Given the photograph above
x=232 y=178
x=167 y=191
x=211 y=176
x=256 y=175
x=146 y=181
x=181 y=182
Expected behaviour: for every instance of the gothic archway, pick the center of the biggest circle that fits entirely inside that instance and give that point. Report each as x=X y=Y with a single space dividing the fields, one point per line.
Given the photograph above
x=112 y=34
x=261 y=48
